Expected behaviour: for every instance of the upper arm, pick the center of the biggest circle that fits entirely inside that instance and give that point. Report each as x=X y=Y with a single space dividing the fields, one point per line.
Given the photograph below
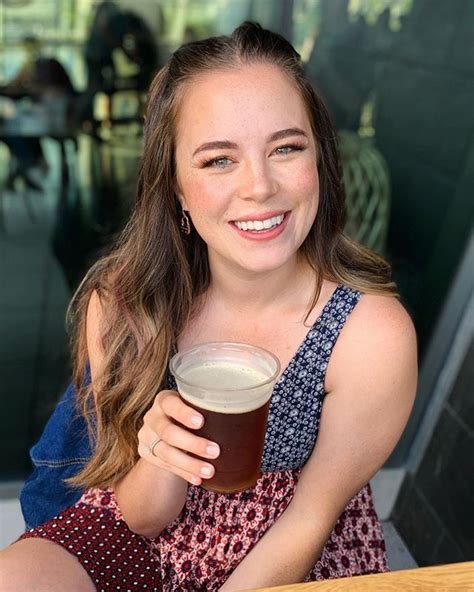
x=370 y=383
x=94 y=331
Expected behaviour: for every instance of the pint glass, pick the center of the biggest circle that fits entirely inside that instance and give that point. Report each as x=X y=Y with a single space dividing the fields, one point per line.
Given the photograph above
x=230 y=384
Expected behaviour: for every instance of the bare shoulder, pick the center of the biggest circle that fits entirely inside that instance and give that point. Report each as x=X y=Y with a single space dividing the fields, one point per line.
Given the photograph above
x=94 y=310
x=94 y=331
x=371 y=384
x=378 y=338
x=384 y=315
x=99 y=301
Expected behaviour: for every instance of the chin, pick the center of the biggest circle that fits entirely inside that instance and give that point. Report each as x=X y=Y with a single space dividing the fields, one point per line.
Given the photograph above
x=264 y=265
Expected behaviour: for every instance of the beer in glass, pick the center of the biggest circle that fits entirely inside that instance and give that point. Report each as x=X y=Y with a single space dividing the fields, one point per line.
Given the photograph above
x=230 y=384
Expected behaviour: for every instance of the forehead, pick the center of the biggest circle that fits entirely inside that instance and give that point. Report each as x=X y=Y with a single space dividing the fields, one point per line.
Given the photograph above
x=241 y=102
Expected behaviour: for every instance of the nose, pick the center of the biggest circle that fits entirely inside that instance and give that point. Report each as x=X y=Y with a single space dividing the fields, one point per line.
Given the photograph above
x=257 y=181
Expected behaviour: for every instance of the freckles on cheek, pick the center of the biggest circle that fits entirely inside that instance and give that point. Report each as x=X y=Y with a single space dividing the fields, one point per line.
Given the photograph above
x=307 y=180
x=195 y=194
x=201 y=203
x=203 y=197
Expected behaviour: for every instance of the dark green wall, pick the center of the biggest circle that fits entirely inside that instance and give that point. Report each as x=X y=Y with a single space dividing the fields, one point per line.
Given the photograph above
x=422 y=78
x=434 y=512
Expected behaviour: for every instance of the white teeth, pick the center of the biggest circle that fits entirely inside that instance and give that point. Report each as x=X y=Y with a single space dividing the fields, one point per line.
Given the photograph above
x=259 y=225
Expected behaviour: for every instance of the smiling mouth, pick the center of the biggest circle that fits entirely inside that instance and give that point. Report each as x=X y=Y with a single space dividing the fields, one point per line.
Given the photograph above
x=260 y=225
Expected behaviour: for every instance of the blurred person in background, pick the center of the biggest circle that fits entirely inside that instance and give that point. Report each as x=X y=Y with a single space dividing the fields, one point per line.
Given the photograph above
x=26 y=153
x=40 y=78
x=120 y=54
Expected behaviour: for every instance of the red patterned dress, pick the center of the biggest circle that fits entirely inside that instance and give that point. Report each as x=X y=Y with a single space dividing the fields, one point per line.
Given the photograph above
x=215 y=531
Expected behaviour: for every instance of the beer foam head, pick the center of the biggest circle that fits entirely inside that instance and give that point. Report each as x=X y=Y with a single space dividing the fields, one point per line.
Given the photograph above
x=225 y=376
x=225 y=387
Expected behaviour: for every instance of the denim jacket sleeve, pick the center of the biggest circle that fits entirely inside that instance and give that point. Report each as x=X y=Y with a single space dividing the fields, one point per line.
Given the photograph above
x=61 y=451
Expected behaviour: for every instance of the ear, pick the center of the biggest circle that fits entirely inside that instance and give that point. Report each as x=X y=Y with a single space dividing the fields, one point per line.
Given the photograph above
x=179 y=195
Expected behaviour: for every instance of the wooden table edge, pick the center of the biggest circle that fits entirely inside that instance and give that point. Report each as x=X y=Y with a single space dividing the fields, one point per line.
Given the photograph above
x=448 y=577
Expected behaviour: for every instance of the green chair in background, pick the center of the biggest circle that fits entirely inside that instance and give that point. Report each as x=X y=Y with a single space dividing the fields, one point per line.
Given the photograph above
x=367 y=187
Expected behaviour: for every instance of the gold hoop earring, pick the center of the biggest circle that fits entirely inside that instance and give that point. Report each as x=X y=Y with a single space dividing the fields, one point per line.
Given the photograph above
x=185 y=225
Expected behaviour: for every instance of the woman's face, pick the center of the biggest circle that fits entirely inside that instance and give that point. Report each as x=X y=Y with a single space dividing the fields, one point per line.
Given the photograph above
x=246 y=166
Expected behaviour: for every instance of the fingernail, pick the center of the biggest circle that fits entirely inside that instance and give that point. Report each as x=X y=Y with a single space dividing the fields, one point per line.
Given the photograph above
x=213 y=450
x=197 y=420
x=206 y=471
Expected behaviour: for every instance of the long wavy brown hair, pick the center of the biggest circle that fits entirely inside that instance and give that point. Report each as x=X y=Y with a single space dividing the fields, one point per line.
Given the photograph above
x=149 y=283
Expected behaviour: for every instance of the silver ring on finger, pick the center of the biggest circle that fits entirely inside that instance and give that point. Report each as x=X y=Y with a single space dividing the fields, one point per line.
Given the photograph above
x=150 y=449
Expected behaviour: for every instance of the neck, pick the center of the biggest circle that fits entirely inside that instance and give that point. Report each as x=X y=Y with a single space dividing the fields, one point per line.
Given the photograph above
x=288 y=287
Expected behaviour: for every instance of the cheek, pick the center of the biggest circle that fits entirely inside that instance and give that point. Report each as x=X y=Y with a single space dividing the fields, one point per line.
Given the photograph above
x=194 y=192
x=196 y=196
x=204 y=199
x=205 y=206
x=306 y=183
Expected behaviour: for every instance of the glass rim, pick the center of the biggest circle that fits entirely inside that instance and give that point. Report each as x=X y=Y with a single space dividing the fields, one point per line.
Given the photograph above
x=177 y=355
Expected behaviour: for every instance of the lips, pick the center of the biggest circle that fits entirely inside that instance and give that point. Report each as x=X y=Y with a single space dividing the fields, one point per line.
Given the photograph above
x=260 y=225
x=261 y=217
x=253 y=228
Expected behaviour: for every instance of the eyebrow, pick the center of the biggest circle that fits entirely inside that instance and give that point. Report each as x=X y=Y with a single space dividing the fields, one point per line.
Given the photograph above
x=226 y=145
x=291 y=131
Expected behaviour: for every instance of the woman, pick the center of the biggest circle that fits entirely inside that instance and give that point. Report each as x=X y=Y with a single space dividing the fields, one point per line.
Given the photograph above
x=236 y=236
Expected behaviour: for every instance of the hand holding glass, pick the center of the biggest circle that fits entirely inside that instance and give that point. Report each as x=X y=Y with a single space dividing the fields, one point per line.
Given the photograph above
x=230 y=384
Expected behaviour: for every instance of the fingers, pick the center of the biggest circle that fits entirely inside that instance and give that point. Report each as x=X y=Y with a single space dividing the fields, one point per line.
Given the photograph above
x=176 y=442
x=173 y=459
x=168 y=406
x=178 y=437
x=176 y=408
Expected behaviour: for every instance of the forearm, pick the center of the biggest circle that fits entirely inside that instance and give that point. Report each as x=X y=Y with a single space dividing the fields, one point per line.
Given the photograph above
x=284 y=555
x=150 y=498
